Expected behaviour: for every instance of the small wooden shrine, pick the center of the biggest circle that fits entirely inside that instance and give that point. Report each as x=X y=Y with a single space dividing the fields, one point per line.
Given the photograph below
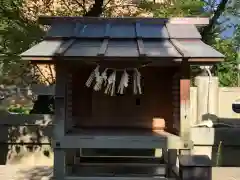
x=121 y=83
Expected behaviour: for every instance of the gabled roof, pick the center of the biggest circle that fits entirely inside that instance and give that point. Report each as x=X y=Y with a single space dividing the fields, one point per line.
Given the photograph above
x=122 y=38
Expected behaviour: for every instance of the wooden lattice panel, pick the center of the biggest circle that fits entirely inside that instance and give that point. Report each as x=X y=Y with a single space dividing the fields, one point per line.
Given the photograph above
x=69 y=99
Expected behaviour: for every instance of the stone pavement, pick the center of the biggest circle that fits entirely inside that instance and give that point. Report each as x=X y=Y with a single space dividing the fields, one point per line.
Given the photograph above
x=226 y=173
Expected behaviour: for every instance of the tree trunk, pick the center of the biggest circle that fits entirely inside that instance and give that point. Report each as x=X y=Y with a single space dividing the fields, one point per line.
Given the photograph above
x=44 y=103
x=213 y=21
x=96 y=10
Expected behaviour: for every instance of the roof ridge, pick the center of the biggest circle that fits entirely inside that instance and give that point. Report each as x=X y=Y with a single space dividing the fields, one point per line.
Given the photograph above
x=200 y=21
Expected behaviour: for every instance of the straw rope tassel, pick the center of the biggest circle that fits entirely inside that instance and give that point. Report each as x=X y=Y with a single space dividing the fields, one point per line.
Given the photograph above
x=110 y=89
x=100 y=80
x=137 y=82
x=98 y=84
x=113 y=83
x=134 y=83
x=123 y=82
x=104 y=76
x=94 y=74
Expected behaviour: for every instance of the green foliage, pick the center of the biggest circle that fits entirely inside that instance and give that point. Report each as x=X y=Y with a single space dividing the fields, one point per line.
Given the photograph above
x=178 y=8
x=233 y=9
x=18 y=109
x=236 y=38
x=227 y=71
x=17 y=34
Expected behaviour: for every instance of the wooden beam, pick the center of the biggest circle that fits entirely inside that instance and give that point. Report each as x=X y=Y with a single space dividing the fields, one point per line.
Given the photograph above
x=25 y=119
x=32 y=58
x=40 y=89
x=205 y=60
x=48 y=20
x=189 y=20
x=60 y=92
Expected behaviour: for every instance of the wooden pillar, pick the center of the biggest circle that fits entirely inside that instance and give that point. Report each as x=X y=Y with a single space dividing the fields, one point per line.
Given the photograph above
x=59 y=128
x=185 y=124
x=59 y=169
x=170 y=159
x=60 y=92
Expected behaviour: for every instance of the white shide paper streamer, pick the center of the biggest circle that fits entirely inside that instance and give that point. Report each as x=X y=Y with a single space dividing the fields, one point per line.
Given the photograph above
x=102 y=80
x=123 y=82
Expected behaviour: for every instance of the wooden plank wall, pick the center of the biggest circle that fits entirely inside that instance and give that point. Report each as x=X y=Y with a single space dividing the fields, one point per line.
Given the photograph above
x=137 y=111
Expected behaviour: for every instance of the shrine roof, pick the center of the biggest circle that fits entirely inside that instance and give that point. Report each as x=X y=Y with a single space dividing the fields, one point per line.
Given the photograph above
x=124 y=38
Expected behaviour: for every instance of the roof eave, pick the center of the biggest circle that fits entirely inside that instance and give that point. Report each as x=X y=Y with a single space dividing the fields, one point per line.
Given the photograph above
x=198 y=21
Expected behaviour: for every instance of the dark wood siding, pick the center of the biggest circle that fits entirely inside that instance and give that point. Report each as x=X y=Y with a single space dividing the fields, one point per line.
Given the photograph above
x=95 y=109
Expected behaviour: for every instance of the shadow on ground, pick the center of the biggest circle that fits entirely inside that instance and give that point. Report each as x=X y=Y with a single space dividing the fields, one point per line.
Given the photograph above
x=36 y=173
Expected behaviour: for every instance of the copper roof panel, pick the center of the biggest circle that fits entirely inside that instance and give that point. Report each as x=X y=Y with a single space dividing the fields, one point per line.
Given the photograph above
x=160 y=49
x=46 y=48
x=122 y=48
x=84 y=48
x=96 y=30
x=196 y=49
x=122 y=30
x=183 y=31
x=61 y=30
x=152 y=31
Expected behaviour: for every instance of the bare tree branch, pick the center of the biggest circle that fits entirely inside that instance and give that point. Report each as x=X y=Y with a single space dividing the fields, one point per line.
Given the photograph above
x=123 y=6
x=82 y=5
x=39 y=70
x=105 y=5
x=66 y=5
